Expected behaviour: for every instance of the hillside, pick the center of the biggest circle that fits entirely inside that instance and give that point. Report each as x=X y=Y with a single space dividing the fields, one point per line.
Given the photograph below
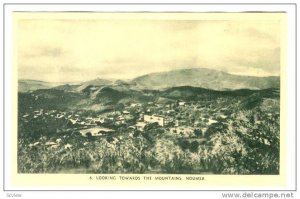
x=94 y=82
x=110 y=97
x=32 y=85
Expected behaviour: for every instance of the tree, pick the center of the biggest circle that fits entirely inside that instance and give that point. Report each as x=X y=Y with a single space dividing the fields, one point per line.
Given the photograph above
x=197 y=132
x=194 y=146
x=151 y=126
x=184 y=144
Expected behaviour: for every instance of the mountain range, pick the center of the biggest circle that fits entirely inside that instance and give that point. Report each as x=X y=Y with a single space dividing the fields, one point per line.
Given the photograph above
x=195 y=77
x=167 y=87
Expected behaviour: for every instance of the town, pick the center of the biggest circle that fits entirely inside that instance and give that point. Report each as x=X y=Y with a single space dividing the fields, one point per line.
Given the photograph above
x=180 y=118
x=150 y=137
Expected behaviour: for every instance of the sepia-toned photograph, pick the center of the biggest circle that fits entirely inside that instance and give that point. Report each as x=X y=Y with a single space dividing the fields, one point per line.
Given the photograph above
x=148 y=93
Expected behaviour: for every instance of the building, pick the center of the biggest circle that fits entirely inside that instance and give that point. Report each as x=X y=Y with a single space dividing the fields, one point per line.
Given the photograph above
x=181 y=103
x=155 y=119
x=126 y=112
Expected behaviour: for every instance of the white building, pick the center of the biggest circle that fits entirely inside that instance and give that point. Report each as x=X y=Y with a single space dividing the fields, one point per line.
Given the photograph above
x=181 y=103
x=126 y=112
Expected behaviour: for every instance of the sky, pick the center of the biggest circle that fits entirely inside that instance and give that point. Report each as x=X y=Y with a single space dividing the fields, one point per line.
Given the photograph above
x=81 y=49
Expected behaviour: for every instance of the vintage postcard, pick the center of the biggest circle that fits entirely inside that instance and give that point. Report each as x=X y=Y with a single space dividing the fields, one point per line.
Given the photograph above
x=146 y=100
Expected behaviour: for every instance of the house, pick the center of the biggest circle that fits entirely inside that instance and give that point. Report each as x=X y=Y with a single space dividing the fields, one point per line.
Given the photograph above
x=73 y=121
x=95 y=131
x=155 y=119
x=181 y=103
x=26 y=115
x=183 y=131
x=140 y=126
x=99 y=120
x=120 y=120
x=40 y=112
x=135 y=104
x=180 y=123
x=125 y=112
x=59 y=116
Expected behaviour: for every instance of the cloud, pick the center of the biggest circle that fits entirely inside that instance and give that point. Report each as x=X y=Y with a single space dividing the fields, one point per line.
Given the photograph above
x=78 y=50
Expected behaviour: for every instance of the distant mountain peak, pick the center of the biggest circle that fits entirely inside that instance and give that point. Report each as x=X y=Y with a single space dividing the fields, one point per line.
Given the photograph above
x=204 y=77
